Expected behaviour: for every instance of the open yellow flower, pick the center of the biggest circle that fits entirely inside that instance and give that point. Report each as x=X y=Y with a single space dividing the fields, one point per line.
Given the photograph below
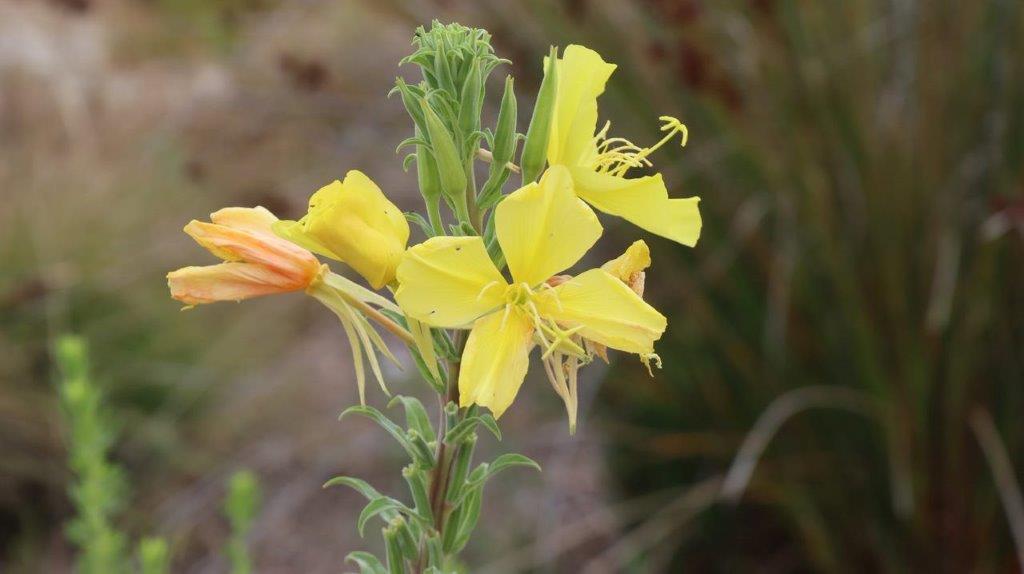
x=543 y=228
x=257 y=262
x=353 y=222
x=599 y=164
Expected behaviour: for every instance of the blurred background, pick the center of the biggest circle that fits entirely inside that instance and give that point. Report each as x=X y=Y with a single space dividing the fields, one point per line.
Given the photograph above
x=844 y=366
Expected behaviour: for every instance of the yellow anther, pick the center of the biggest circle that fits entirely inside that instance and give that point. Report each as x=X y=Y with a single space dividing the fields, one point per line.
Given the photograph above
x=616 y=156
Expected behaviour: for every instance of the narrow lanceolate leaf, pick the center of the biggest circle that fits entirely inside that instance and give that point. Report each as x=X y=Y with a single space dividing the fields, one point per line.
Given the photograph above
x=367 y=563
x=357 y=484
x=536 y=147
x=462 y=528
x=385 y=423
x=415 y=416
x=383 y=505
x=485 y=471
x=410 y=99
x=465 y=429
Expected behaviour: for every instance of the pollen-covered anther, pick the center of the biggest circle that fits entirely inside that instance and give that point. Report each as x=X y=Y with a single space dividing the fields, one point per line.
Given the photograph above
x=616 y=156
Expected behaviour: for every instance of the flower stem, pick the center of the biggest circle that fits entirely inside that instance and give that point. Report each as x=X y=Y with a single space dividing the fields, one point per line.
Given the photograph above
x=439 y=476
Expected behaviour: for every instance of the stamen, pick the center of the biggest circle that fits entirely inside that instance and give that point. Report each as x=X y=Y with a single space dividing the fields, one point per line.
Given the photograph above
x=487 y=288
x=616 y=156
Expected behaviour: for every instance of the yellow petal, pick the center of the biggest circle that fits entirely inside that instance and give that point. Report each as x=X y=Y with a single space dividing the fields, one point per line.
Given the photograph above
x=642 y=201
x=582 y=75
x=255 y=246
x=449 y=282
x=606 y=310
x=495 y=361
x=636 y=258
x=544 y=228
x=226 y=282
x=257 y=219
x=353 y=222
x=629 y=267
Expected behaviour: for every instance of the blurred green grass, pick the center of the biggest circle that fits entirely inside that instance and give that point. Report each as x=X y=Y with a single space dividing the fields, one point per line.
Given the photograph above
x=860 y=168
x=860 y=165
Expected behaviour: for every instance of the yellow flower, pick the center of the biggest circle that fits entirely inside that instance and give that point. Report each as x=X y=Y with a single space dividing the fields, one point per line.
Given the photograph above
x=450 y=282
x=353 y=222
x=599 y=164
x=257 y=262
x=629 y=267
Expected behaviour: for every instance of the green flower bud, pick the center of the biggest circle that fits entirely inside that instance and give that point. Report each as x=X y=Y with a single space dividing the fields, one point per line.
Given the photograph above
x=471 y=101
x=536 y=147
x=450 y=169
x=505 y=131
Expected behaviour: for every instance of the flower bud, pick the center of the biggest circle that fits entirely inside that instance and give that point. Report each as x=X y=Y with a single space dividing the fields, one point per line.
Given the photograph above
x=536 y=147
x=353 y=222
x=450 y=169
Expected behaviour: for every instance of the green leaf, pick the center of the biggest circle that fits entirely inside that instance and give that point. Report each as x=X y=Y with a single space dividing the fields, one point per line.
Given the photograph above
x=367 y=563
x=382 y=505
x=421 y=222
x=384 y=422
x=415 y=416
x=463 y=430
x=357 y=484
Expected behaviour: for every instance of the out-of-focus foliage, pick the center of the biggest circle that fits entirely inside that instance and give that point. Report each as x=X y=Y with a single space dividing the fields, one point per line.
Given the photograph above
x=241 y=506
x=98 y=493
x=861 y=170
x=99 y=490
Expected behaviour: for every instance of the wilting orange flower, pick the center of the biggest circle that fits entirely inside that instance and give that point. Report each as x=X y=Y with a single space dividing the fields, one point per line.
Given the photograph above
x=256 y=262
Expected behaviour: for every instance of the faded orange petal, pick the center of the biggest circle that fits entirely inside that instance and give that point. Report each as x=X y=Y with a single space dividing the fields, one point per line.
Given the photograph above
x=231 y=281
x=259 y=247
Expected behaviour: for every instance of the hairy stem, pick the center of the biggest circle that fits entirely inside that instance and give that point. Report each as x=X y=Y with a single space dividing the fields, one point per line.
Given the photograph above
x=444 y=456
